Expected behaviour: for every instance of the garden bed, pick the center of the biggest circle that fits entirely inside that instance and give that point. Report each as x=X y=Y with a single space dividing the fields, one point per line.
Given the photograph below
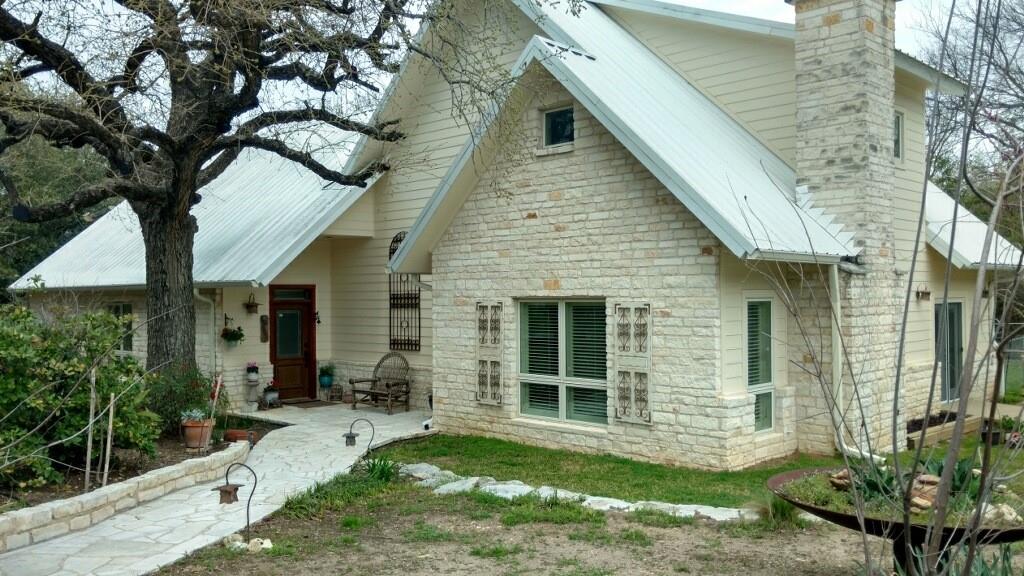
x=940 y=428
x=125 y=464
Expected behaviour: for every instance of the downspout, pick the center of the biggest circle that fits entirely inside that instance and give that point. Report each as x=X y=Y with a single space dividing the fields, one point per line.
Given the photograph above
x=837 y=370
x=213 y=329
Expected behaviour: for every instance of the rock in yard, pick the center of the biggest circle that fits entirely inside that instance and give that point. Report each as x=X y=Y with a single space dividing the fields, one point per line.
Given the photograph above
x=928 y=479
x=717 y=514
x=420 y=471
x=234 y=542
x=1001 y=514
x=606 y=504
x=547 y=493
x=508 y=490
x=442 y=478
x=840 y=480
x=920 y=503
x=459 y=486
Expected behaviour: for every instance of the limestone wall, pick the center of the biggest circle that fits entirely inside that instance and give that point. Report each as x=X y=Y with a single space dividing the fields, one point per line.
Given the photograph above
x=52 y=519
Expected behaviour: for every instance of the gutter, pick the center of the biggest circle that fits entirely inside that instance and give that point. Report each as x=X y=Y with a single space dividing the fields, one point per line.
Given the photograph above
x=213 y=329
x=837 y=371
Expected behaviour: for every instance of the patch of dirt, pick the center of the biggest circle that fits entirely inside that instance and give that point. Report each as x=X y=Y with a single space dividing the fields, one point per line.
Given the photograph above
x=420 y=534
x=124 y=464
x=937 y=419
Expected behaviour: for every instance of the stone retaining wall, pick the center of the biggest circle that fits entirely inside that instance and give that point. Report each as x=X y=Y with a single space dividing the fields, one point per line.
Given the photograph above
x=52 y=519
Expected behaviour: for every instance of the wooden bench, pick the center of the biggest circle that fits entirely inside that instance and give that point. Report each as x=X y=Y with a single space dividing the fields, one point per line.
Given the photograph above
x=390 y=383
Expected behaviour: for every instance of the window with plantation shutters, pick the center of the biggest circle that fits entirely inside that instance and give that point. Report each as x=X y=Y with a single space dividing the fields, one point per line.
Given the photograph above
x=759 y=361
x=488 y=352
x=633 y=362
x=563 y=363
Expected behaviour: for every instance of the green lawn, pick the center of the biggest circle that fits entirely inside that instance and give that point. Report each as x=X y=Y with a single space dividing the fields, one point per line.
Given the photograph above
x=597 y=475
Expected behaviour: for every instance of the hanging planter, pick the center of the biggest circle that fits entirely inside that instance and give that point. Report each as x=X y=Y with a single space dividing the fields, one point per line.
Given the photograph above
x=251 y=306
x=232 y=336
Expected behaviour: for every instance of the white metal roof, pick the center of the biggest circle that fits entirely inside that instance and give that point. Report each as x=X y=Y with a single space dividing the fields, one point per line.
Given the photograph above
x=254 y=219
x=970 y=234
x=735 y=185
x=670 y=9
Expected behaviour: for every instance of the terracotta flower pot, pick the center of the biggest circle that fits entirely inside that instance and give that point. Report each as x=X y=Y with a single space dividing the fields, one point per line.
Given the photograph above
x=239 y=435
x=197 y=433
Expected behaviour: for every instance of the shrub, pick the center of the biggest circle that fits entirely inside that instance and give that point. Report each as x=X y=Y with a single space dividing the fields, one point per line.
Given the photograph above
x=178 y=389
x=44 y=391
x=381 y=468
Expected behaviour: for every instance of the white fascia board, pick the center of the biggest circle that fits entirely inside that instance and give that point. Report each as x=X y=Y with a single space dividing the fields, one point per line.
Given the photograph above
x=794 y=257
x=313 y=231
x=714 y=18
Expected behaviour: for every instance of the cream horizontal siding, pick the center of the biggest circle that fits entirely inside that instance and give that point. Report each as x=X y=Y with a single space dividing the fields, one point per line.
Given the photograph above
x=434 y=134
x=752 y=77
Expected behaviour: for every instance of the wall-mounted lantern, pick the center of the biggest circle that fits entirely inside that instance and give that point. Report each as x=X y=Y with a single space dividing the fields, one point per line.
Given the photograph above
x=923 y=293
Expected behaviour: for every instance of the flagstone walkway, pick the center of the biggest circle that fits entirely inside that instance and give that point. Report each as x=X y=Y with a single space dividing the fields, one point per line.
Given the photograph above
x=287 y=461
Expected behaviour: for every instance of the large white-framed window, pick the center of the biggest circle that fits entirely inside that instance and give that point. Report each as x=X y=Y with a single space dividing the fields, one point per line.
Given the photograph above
x=123 y=310
x=563 y=365
x=758 y=348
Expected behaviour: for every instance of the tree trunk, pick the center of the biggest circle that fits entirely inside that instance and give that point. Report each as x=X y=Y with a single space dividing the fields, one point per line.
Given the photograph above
x=170 y=306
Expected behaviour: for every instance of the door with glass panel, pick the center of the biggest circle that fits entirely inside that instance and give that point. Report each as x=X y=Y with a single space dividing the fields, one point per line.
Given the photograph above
x=949 y=347
x=292 y=341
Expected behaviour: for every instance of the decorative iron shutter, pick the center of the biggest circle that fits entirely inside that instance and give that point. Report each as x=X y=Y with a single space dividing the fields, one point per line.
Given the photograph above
x=633 y=362
x=489 y=336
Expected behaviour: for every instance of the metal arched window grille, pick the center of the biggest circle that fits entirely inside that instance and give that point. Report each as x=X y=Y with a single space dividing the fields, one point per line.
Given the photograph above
x=404 y=305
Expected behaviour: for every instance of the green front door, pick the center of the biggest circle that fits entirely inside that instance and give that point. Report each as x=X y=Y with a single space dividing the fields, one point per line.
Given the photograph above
x=949 y=339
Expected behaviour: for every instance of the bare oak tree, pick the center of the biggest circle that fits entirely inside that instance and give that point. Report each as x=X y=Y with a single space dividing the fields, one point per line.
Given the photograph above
x=170 y=92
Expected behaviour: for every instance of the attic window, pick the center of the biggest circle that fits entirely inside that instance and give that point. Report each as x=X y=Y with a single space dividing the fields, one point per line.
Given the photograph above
x=897 y=137
x=558 y=127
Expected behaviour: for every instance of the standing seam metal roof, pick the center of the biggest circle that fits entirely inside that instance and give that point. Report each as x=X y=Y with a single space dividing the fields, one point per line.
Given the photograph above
x=732 y=182
x=254 y=219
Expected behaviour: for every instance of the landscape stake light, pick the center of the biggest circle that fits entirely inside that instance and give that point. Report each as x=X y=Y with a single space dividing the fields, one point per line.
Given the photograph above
x=229 y=492
x=350 y=436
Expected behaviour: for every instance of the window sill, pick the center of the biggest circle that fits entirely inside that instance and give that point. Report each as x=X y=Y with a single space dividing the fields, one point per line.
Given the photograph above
x=561 y=426
x=556 y=149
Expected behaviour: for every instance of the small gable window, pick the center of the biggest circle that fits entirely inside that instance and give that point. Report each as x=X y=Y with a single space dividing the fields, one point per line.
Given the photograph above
x=558 y=127
x=897 y=137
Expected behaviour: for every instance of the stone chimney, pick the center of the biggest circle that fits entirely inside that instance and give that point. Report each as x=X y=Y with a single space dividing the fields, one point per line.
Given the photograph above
x=845 y=54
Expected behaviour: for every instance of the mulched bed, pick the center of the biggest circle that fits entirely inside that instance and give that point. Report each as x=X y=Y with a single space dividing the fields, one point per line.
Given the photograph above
x=937 y=419
x=124 y=464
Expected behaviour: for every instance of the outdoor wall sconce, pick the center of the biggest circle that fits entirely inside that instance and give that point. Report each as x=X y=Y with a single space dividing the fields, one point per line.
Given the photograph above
x=229 y=492
x=923 y=293
x=350 y=436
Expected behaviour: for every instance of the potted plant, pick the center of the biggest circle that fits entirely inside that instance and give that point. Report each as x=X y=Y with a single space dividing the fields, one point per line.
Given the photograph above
x=197 y=427
x=232 y=335
x=326 y=375
x=271 y=395
x=252 y=373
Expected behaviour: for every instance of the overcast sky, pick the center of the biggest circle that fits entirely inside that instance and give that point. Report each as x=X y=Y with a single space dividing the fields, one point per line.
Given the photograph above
x=910 y=14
